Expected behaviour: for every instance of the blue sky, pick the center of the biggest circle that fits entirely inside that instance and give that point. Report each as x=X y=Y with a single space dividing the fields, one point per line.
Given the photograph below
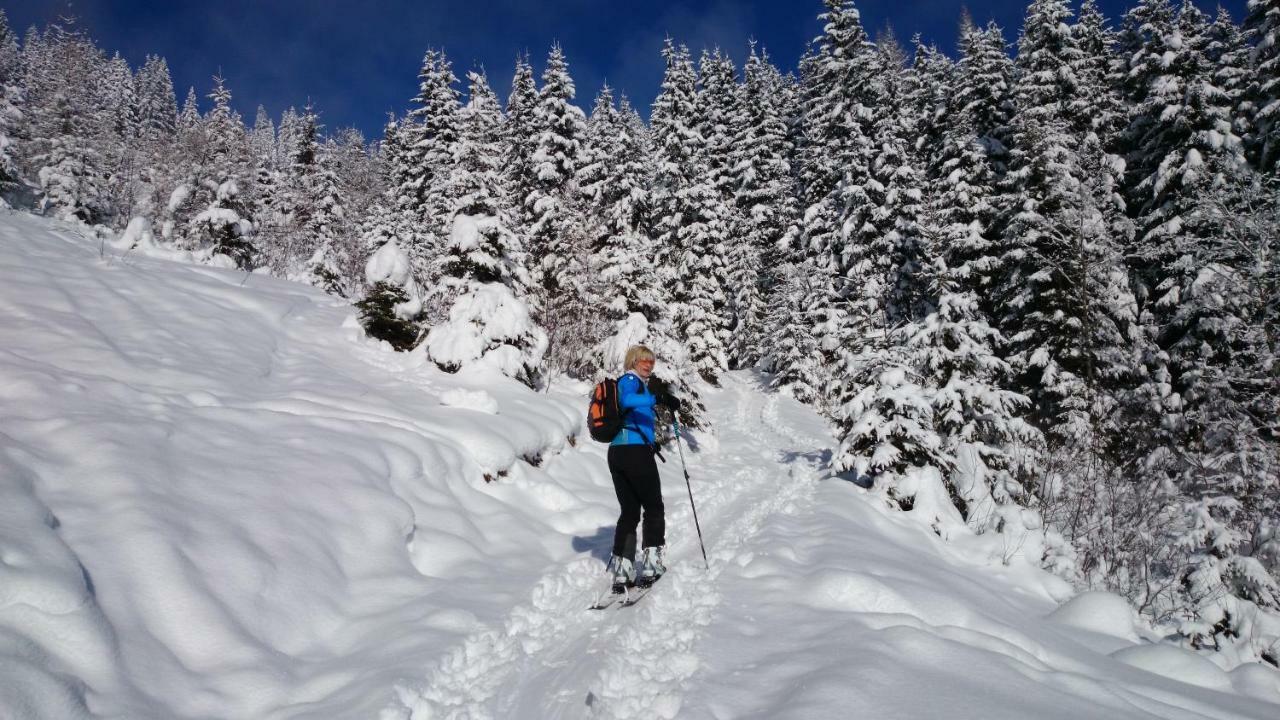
x=359 y=60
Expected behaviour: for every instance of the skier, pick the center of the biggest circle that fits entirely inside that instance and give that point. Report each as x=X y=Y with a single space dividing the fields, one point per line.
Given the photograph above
x=635 y=474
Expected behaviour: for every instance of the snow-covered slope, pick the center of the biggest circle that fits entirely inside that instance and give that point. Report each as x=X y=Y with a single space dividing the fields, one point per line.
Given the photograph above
x=218 y=500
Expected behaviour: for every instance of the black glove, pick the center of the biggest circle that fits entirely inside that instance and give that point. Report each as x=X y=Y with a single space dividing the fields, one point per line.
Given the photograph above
x=668 y=401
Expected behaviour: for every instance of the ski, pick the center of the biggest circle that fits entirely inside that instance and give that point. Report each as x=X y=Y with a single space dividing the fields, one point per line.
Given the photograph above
x=638 y=594
x=608 y=596
x=607 y=601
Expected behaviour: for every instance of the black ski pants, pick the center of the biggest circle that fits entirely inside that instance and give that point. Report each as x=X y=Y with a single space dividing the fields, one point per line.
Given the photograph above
x=635 y=480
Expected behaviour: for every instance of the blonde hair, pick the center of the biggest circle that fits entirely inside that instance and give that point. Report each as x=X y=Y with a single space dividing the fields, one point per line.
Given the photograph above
x=635 y=354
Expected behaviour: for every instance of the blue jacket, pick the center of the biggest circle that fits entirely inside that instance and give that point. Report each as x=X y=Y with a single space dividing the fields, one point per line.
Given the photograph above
x=636 y=403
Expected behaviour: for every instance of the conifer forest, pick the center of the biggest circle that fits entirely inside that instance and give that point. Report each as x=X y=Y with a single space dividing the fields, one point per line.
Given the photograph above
x=1033 y=277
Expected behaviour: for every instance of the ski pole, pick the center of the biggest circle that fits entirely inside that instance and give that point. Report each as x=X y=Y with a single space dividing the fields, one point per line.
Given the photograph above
x=676 y=427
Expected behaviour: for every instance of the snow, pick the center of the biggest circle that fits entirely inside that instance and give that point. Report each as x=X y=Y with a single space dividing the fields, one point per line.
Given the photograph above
x=1176 y=663
x=219 y=499
x=1100 y=612
x=388 y=264
x=477 y=400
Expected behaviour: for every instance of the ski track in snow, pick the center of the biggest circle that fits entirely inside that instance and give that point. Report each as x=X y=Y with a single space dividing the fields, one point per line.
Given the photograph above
x=636 y=661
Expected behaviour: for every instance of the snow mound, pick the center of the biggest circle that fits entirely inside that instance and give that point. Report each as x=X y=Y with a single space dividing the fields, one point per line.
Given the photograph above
x=219 y=499
x=1257 y=680
x=1100 y=612
x=1177 y=664
x=477 y=400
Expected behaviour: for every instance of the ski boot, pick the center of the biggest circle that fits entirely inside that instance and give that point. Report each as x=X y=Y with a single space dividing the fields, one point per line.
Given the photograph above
x=624 y=574
x=652 y=566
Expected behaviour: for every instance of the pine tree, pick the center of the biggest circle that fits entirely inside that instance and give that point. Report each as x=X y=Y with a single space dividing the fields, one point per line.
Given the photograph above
x=520 y=133
x=62 y=68
x=487 y=323
x=719 y=119
x=1228 y=52
x=674 y=137
x=692 y=225
x=322 y=218
x=1067 y=305
x=838 y=122
x=557 y=158
x=882 y=259
x=392 y=303
x=984 y=87
x=481 y=247
x=157 y=105
x=763 y=185
x=1263 y=22
x=929 y=85
x=956 y=347
x=11 y=100
x=224 y=227
x=429 y=138
x=762 y=180
x=392 y=307
x=794 y=355
x=615 y=186
x=359 y=169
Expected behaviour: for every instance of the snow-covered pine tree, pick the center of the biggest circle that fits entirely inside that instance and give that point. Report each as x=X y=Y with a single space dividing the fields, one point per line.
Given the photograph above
x=557 y=159
x=1097 y=110
x=119 y=130
x=120 y=100
x=224 y=227
x=976 y=416
x=488 y=324
x=558 y=238
x=481 y=197
x=1204 y=372
x=1228 y=51
x=762 y=154
x=615 y=184
x=189 y=118
x=673 y=136
x=11 y=100
x=321 y=216
x=62 y=69
x=834 y=155
x=984 y=88
x=691 y=225
x=720 y=117
x=794 y=356
x=600 y=145
x=928 y=96
x=157 y=104
x=429 y=138
x=392 y=306
x=359 y=171
x=392 y=303
x=616 y=188
x=1049 y=54
x=880 y=405
x=520 y=134
x=1068 y=310
x=1263 y=23
x=266 y=188
x=1065 y=309
x=1096 y=100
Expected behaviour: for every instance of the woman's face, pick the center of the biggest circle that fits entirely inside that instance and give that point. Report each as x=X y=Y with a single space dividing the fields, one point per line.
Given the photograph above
x=644 y=367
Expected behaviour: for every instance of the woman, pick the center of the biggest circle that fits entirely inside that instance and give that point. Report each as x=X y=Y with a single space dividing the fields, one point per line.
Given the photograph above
x=635 y=474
